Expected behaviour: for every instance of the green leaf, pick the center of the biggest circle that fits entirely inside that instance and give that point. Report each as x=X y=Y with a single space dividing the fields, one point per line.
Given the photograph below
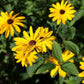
x=73 y=80
x=67 y=32
x=71 y=46
x=61 y=80
x=70 y=81
x=70 y=68
x=31 y=70
x=56 y=51
x=45 y=67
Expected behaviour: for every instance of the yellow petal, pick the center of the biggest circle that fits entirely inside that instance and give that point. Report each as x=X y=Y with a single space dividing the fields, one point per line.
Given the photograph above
x=62 y=73
x=83 y=58
x=58 y=22
x=17 y=28
x=53 y=71
x=37 y=33
x=49 y=46
x=82 y=63
x=71 y=61
x=26 y=35
x=81 y=74
x=2 y=28
x=15 y=16
x=44 y=48
x=83 y=81
x=3 y=14
x=11 y=13
x=52 y=9
x=11 y=30
x=31 y=31
x=22 y=40
x=62 y=3
x=7 y=33
x=20 y=17
x=30 y=62
x=52 y=59
x=20 y=24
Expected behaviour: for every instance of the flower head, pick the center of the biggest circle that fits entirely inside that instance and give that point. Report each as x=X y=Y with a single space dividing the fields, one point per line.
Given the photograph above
x=8 y=23
x=67 y=55
x=39 y=40
x=26 y=57
x=62 y=12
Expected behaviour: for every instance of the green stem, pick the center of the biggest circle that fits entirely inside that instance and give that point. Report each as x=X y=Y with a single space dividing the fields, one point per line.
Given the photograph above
x=58 y=29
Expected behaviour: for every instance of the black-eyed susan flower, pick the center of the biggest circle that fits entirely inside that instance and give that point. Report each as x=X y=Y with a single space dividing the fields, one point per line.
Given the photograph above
x=82 y=68
x=26 y=57
x=8 y=23
x=66 y=55
x=38 y=40
x=62 y=12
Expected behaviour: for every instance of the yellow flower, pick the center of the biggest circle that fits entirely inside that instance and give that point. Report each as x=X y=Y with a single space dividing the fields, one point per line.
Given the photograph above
x=82 y=68
x=9 y=22
x=26 y=57
x=61 y=12
x=57 y=68
x=38 y=40
x=66 y=56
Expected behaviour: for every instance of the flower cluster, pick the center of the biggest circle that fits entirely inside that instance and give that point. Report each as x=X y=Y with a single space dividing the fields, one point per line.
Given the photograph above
x=30 y=45
x=40 y=40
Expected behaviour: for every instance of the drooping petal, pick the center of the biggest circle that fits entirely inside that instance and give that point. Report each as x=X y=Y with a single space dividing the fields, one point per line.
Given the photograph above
x=53 y=71
x=11 y=30
x=62 y=73
x=7 y=32
x=17 y=28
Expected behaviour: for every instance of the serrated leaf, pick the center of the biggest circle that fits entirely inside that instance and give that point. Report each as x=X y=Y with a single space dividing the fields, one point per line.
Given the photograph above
x=71 y=46
x=70 y=68
x=45 y=67
x=56 y=51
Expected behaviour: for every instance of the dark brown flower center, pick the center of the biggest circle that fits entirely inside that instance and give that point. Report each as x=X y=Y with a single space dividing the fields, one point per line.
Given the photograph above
x=41 y=37
x=9 y=21
x=62 y=11
x=32 y=42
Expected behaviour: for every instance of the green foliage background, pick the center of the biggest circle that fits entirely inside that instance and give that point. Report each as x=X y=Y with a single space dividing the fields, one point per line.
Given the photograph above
x=36 y=13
